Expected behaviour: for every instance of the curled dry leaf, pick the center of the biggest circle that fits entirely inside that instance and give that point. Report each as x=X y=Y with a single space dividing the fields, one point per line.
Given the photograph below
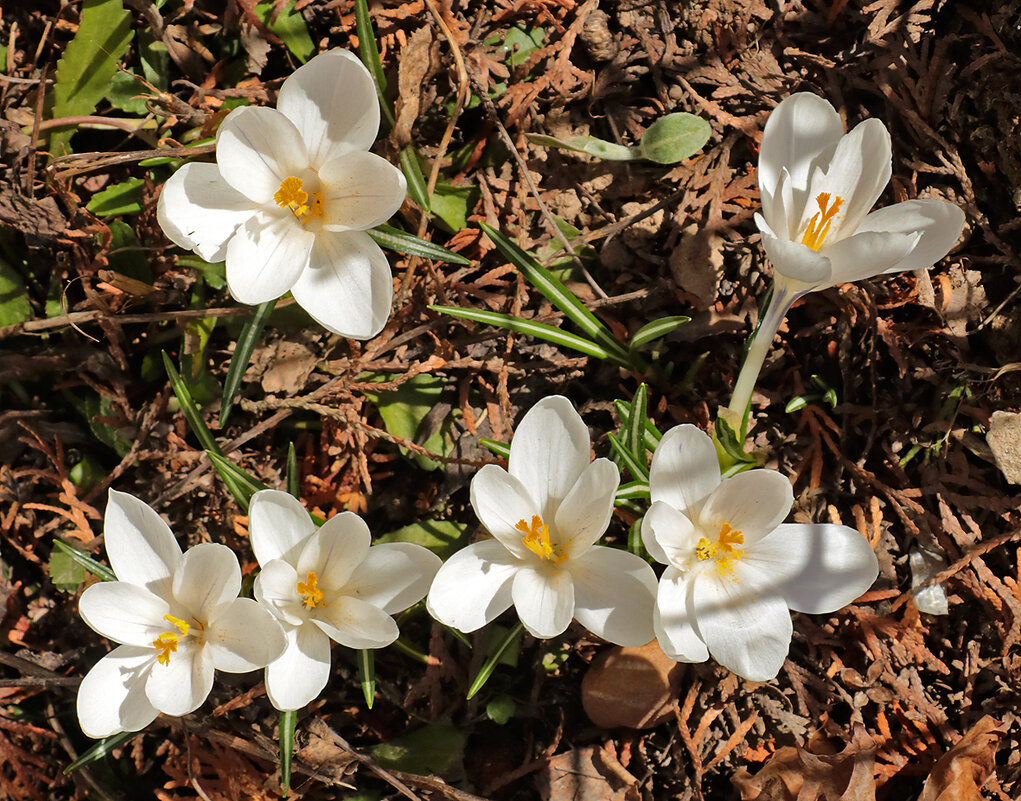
x=959 y=774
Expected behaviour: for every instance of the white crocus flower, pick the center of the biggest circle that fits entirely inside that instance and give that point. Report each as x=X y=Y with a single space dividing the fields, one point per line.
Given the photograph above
x=327 y=584
x=177 y=617
x=545 y=514
x=290 y=197
x=734 y=569
x=818 y=186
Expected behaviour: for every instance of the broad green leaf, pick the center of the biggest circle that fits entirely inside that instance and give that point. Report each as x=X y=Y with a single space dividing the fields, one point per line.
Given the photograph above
x=600 y=148
x=674 y=138
x=247 y=340
x=122 y=198
x=65 y=572
x=396 y=239
x=452 y=204
x=96 y=409
x=442 y=537
x=417 y=187
x=100 y=750
x=126 y=254
x=290 y=26
x=84 y=561
x=404 y=411
x=213 y=273
x=288 y=720
x=550 y=333
x=370 y=57
x=15 y=306
x=656 y=329
x=154 y=58
x=519 y=43
x=501 y=709
x=436 y=748
x=128 y=94
x=89 y=63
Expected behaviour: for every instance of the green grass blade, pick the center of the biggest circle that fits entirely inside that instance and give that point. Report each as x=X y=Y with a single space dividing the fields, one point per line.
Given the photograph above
x=490 y=665
x=293 y=481
x=634 y=491
x=370 y=56
x=634 y=539
x=499 y=448
x=636 y=468
x=367 y=675
x=242 y=485
x=459 y=636
x=549 y=333
x=86 y=561
x=558 y=294
x=417 y=187
x=395 y=239
x=656 y=329
x=652 y=434
x=246 y=343
x=288 y=720
x=190 y=410
x=100 y=750
x=635 y=440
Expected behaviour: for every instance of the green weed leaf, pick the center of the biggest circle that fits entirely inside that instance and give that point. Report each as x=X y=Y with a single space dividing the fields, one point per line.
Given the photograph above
x=395 y=239
x=674 y=138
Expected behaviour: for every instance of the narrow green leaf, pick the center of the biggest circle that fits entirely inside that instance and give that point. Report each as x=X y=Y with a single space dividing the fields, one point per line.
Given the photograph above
x=367 y=674
x=290 y=26
x=490 y=665
x=558 y=294
x=727 y=439
x=656 y=329
x=242 y=485
x=288 y=721
x=634 y=539
x=86 y=561
x=652 y=434
x=637 y=469
x=549 y=333
x=417 y=187
x=403 y=242
x=600 y=148
x=370 y=56
x=247 y=340
x=674 y=138
x=190 y=410
x=459 y=636
x=635 y=490
x=88 y=64
x=635 y=441
x=499 y=448
x=796 y=403
x=293 y=480
x=100 y=750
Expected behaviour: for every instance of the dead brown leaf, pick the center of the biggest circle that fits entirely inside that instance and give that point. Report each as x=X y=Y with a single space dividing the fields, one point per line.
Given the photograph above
x=697 y=263
x=633 y=687
x=412 y=69
x=585 y=774
x=959 y=774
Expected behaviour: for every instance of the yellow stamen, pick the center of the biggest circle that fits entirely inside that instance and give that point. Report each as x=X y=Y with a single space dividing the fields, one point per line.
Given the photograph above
x=311 y=595
x=724 y=550
x=167 y=642
x=819 y=226
x=292 y=195
x=536 y=539
x=179 y=624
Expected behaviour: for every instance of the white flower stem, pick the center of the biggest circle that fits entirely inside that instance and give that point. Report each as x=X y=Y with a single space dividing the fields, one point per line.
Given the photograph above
x=758 y=347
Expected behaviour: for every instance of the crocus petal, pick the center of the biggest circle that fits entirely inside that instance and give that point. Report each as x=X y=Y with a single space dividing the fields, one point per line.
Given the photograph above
x=939 y=223
x=668 y=535
x=685 y=469
x=301 y=672
x=208 y=579
x=332 y=101
x=126 y=613
x=796 y=262
x=817 y=567
x=180 y=686
x=673 y=620
x=141 y=547
x=755 y=503
x=867 y=254
x=333 y=552
x=356 y=624
x=348 y=286
x=277 y=526
x=549 y=452
x=256 y=148
x=276 y=588
x=501 y=502
x=473 y=586
x=544 y=600
x=585 y=513
x=265 y=257
x=360 y=190
x=857 y=174
x=394 y=575
x=799 y=130
x=199 y=211
x=747 y=628
x=614 y=595
x=243 y=637
x=111 y=697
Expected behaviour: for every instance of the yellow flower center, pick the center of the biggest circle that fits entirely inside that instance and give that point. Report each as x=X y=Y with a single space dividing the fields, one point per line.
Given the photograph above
x=311 y=595
x=292 y=195
x=167 y=642
x=724 y=550
x=819 y=225
x=536 y=539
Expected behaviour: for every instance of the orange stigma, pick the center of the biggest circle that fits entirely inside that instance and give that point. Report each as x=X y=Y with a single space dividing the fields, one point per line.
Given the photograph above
x=819 y=225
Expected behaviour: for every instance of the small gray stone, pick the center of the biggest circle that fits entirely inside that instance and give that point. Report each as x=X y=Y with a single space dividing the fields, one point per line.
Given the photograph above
x=1004 y=440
